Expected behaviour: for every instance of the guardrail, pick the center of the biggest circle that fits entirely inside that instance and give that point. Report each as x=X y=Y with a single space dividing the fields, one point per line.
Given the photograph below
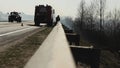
x=54 y=52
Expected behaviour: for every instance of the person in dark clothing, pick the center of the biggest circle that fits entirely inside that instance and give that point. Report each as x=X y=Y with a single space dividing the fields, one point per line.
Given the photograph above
x=57 y=20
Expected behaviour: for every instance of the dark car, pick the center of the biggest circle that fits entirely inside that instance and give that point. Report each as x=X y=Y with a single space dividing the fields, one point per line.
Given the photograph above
x=14 y=16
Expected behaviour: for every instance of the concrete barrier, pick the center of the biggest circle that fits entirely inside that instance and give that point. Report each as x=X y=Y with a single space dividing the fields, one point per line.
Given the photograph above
x=54 y=52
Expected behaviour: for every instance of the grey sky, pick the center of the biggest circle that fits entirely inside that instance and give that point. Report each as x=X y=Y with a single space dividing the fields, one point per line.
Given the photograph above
x=62 y=7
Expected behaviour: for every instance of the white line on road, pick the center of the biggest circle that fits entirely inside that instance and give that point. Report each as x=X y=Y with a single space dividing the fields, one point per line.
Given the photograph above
x=14 y=32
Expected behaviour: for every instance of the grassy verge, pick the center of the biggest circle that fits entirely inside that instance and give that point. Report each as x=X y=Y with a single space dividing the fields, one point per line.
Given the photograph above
x=84 y=43
x=17 y=56
x=108 y=59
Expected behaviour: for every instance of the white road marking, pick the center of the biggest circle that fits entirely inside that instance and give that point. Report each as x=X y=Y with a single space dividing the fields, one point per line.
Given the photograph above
x=14 y=32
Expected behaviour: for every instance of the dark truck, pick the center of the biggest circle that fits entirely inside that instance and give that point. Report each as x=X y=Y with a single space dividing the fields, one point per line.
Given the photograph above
x=43 y=14
x=14 y=16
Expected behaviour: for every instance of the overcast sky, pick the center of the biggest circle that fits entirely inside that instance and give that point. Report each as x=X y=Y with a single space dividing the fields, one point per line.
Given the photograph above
x=62 y=7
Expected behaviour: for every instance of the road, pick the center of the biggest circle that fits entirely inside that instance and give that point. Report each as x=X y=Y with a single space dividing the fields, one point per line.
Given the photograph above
x=12 y=32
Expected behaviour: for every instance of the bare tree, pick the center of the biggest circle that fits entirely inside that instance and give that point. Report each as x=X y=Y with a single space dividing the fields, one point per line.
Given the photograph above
x=91 y=14
x=102 y=11
x=81 y=13
x=114 y=17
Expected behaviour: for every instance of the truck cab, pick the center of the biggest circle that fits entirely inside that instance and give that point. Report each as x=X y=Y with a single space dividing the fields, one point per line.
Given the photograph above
x=14 y=16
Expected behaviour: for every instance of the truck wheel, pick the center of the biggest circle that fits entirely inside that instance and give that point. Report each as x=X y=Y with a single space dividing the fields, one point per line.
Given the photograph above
x=19 y=20
x=49 y=24
x=9 y=20
x=37 y=24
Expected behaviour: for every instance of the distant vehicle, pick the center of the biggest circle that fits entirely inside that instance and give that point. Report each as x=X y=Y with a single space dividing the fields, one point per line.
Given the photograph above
x=44 y=14
x=14 y=16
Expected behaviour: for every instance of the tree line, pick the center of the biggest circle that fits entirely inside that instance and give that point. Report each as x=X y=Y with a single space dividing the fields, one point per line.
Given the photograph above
x=97 y=25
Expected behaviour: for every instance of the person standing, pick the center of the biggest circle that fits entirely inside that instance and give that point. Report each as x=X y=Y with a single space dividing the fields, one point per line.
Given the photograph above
x=57 y=20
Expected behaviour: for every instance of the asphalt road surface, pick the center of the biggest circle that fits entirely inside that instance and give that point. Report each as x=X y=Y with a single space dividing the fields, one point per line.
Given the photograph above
x=11 y=32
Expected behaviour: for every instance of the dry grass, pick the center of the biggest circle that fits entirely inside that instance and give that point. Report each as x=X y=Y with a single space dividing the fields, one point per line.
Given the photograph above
x=108 y=59
x=17 y=56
